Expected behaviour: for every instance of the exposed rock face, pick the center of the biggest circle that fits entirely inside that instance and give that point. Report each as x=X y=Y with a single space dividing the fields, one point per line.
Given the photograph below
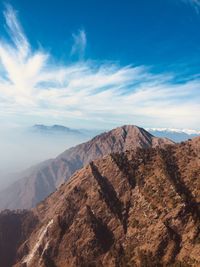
x=138 y=208
x=43 y=179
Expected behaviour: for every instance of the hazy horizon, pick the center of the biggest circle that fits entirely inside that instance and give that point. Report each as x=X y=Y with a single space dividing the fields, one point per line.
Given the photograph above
x=24 y=147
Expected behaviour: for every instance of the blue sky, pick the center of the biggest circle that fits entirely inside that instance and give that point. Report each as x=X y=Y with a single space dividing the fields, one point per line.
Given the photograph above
x=99 y=63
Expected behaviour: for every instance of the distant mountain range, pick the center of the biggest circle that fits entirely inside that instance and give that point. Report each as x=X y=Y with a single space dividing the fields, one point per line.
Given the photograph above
x=43 y=179
x=177 y=135
x=53 y=129
x=60 y=129
x=135 y=208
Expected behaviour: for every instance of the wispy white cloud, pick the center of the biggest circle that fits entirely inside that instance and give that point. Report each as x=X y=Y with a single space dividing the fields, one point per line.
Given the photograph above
x=79 y=45
x=97 y=93
x=16 y=31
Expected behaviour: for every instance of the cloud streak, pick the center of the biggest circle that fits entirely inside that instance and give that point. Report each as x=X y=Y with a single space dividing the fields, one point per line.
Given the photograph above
x=80 y=43
x=96 y=93
x=193 y=3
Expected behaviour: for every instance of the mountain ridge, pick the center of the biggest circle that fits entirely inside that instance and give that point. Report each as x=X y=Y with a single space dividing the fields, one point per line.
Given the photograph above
x=41 y=182
x=177 y=135
x=135 y=208
x=56 y=128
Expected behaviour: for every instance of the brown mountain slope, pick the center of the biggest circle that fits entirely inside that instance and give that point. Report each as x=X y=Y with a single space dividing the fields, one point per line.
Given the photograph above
x=132 y=209
x=43 y=179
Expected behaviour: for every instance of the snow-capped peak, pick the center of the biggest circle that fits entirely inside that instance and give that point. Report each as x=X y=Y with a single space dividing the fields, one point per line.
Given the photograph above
x=174 y=130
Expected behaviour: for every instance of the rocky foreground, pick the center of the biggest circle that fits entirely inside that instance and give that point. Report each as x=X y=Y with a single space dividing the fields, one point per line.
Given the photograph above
x=136 y=208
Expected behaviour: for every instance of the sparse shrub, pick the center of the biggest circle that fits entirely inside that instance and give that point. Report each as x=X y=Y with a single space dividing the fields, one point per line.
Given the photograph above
x=179 y=264
x=147 y=259
x=134 y=223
